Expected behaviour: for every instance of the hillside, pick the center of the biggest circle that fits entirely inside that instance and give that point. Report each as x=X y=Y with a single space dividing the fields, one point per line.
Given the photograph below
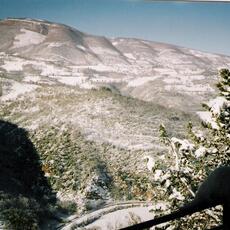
x=41 y=52
x=92 y=106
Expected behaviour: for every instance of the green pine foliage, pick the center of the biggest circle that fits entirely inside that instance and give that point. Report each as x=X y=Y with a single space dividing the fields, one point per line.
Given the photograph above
x=205 y=149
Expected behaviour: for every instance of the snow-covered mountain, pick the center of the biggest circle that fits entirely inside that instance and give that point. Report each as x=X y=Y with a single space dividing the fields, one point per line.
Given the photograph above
x=45 y=52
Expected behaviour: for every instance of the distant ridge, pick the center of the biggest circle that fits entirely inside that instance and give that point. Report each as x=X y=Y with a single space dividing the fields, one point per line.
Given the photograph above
x=150 y=71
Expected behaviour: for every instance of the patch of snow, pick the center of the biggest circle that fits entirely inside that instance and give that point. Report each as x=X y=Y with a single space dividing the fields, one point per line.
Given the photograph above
x=70 y=80
x=32 y=79
x=27 y=38
x=172 y=80
x=114 y=43
x=33 y=109
x=200 y=152
x=217 y=104
x=183 y=144
x=122 y=218
x=167 y=183
x=101 y=67
x=158 y=174
x=165 y=176
x=13 y=65
x=100 y=50
x=55 y=44
x=130 y=56
x=82 y=82
x=18 y=89
x=166 y=71
x=16 y=64
x=87 y=85
x=51 y=70
x=81 y=47
x=200 y=54
x=185 y=80
x=199 y=134
x=103 y=79
x=206 y=117
x=150 y=163
x=192 y=88
x=176 y=195
x=138 y=81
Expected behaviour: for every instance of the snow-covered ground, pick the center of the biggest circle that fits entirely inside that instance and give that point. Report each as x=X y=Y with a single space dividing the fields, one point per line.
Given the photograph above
x=13 y=65
x=103 y=50
x=138 y=81
x=27 y=38
x=113 y=216
x=55 y=44
x=16 y=89
x=89 y=76
x=190 y=88
x=150 y=162
x=32 y=78
x=130 y=56
x=207 y=118
x=122 y=218
x=81 y=47
x=178 y=72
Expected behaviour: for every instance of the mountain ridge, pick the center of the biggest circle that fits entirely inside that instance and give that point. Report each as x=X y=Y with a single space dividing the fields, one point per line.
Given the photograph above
x=43 y=21
x=61 y=54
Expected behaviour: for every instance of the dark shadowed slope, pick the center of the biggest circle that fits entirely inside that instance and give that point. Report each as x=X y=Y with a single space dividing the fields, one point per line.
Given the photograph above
x=24 y=191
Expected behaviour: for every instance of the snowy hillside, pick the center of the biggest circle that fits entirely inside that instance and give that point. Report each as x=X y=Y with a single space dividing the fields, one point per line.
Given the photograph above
x=43 y=52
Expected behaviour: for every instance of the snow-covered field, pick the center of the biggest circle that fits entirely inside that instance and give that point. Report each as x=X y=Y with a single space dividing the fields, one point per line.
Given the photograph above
x=92 y=75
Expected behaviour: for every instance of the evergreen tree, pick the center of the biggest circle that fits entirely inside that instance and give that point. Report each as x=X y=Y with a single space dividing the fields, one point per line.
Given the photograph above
x=206 y=149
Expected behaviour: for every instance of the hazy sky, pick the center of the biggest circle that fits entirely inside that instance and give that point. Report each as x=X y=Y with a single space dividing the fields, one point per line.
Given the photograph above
x=203 y=26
